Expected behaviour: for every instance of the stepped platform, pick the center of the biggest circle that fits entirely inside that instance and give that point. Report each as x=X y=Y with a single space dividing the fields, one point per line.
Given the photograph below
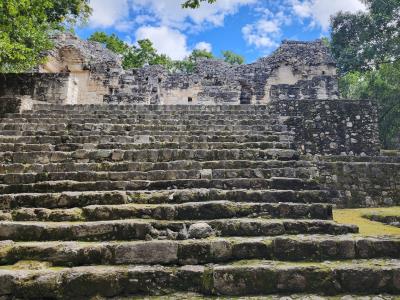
x=134 y=201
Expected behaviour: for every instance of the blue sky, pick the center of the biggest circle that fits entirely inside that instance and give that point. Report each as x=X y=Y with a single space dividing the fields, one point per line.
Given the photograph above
x=252 y=28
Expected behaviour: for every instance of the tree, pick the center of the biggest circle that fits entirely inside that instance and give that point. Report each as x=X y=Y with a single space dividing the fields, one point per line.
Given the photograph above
x=366 y=46
x=26 y=26
x=197 y=53
x=111 y=42
x=232 y=58
x=195 y=3
x=382 y=85
x=144 y=54
x=364 y=40
x=132 y=56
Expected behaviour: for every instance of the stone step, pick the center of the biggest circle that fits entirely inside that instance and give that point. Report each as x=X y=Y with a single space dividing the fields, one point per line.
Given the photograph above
x=204 y=251
x=125 y=110
x=300 y=167
x=142 y=139
x=81 y=199
x=140 y=110
x=156 y=175
x=148 y=108
x=153 y=108
x=140 y=133
x=134 y=185
x=105 y=127
x=141 y=229
x=142 y=120
x=139 y=117
x=136 y=113
x=243 y=278
x=210 y=210
x=356 y=159
x=151 y=155
x=17 y=147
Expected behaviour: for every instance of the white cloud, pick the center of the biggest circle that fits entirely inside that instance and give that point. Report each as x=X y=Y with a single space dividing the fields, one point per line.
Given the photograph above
x=203 y=46
x=166 y=40
x=170 y=13
x=266 y=32
x=108 y=13
x=320 y=11
x=125 y=14
x=163 y=21
x=261 y=34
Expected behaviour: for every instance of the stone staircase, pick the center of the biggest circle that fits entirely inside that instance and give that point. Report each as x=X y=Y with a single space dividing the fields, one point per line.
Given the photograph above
x=114 y=201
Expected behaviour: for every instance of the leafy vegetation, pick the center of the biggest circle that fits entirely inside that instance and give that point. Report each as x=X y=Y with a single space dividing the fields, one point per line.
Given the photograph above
x=365 y=40
x=382 y=85
x=26 y=26
x=366 y=46
x=111 y=42
x=232 y=58
x=132 y=56
x=145 y=54
x=200 y=54
x=195 y=3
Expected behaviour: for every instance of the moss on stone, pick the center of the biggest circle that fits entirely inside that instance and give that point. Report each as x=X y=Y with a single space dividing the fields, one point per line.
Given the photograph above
x=208 y=281
x=367 y=227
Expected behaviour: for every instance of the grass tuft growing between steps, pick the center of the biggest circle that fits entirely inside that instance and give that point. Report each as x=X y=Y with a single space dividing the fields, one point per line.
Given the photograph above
x=367 y=227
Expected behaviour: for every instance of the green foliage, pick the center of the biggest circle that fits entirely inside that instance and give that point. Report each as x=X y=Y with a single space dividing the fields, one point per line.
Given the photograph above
x=366 y=46
x=132 y=56
x=26 y=26
x=326 y=42
x=195 y=3
x=111 y=42
x=185 y=66
x=232 y=58
x=364 y=40
x=144 y=54
x=382 y=85
x=197 y=53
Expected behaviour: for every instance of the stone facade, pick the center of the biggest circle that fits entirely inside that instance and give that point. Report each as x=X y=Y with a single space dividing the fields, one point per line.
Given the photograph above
x=109 y=201
x=57 y=88
x=360 y=181
x=332 y=127
x=296 y=70
x=87 y=73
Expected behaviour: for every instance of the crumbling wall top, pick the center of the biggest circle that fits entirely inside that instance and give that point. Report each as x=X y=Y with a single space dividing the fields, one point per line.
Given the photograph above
x=298 y=53
x=70 y=51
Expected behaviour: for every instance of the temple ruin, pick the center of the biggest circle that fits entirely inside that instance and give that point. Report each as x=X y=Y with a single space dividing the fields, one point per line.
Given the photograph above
x=218 y=182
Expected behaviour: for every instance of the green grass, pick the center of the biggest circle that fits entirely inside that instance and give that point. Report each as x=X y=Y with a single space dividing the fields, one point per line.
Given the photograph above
x=367 y=227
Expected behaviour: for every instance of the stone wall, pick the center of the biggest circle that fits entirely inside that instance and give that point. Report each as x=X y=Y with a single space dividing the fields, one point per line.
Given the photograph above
x=332 y=127
x=301 y=70
x=52 y=88
x=9 y=105
x=361 y=181
x=93 y=69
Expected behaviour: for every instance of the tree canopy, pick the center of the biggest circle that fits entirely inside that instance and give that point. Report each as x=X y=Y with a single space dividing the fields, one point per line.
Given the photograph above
x=197 y=53
x=366 y=46
x=111 y=42
x=382 y=85
x=144 y=53
x=26 y=26
x=132 y=56
x=232 y=58
x=195 y=3
x=364 y=40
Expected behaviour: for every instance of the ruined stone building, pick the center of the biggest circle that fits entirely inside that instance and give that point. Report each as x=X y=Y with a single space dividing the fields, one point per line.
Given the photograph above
x=220 y=182
x=83 y=72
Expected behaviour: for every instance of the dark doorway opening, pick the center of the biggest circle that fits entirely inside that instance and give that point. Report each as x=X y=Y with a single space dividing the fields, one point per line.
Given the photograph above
x=246 y=94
